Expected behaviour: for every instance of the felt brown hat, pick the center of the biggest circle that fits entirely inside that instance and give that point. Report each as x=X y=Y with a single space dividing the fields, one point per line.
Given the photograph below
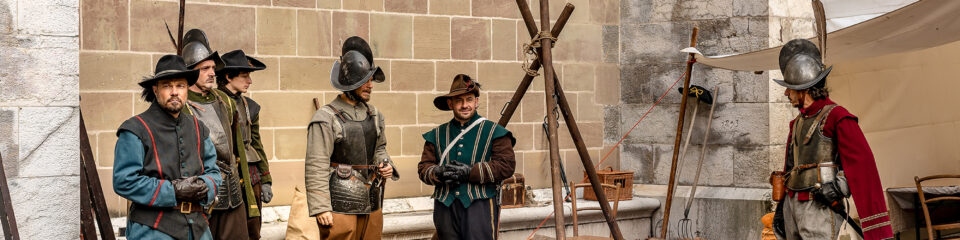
x=462 y=84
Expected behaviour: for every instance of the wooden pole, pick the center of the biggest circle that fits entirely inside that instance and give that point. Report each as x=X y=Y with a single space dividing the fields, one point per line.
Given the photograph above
x=588 y=165
x=183 y=4
x=535 y=65
x=676 y=144
x=89 y=168
x=7 y=218
x=546 y=44
x=703 y=152
x=87 y=230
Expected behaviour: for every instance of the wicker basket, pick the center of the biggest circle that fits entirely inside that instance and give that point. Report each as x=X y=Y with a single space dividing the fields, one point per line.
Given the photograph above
x=621 y=179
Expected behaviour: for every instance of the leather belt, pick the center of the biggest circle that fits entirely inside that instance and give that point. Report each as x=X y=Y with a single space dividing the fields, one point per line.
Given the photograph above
x=189 y=207
x=813 y=165
x=370 y=167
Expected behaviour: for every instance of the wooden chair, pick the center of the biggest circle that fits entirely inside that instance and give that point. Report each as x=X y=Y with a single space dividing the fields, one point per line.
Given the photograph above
x=573 y=194
x=926 y=211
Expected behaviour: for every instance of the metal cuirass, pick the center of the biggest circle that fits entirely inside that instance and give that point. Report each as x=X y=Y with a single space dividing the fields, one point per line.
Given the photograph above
x=350 y=188
x=230 y=193
x=246 y=125
x=814 y=155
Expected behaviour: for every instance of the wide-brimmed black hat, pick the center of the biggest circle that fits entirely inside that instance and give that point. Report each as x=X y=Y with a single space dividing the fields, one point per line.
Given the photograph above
x=236 y=60
x=196 y=49
x=170 y=67
x=462 y=84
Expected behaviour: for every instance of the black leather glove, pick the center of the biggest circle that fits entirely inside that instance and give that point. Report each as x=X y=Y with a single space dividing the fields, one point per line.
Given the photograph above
x=830 y=194
x=438 y=172
x=456 y=172
x=190 y=188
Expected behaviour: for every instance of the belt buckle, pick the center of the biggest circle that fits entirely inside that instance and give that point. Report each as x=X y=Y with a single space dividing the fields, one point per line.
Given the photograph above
x=189 y=206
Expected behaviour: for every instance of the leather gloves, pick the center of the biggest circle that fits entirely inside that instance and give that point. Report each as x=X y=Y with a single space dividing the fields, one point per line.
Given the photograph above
x=832 y=193
x=456 y=172
x=266 y=193
x=438 y=172
x=190 y=189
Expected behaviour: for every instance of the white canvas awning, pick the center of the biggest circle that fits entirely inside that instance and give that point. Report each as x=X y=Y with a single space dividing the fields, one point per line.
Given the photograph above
x=908 y=26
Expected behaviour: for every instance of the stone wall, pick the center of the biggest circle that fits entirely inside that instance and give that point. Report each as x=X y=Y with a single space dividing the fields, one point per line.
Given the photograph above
x=749 y=128
x=39 y=115
x=420 y=44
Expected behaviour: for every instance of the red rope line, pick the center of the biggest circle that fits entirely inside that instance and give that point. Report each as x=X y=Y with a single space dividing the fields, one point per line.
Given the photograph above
x=615 y=146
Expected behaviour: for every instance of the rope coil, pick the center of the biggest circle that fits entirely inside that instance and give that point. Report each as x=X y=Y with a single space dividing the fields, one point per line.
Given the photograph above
x=528 y=50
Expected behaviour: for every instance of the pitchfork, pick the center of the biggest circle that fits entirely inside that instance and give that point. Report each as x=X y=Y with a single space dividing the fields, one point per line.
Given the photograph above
x=685 y=229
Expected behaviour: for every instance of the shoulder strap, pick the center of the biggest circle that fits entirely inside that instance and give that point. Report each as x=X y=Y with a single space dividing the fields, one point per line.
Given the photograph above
x=819 y=121
x=459 y=136
x=336 y=113
x=372 y=112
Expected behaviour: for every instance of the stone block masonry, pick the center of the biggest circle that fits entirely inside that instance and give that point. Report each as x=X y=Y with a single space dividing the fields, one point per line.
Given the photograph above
x=749 y=126
x=39 y=114
x=419 y=44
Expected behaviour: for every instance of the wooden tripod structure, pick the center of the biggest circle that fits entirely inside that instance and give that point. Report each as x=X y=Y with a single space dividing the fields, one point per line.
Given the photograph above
x=93 y=206
x=552 y=85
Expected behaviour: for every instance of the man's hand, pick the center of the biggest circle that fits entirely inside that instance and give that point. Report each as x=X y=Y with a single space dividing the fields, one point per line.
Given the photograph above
x=386 y=170
x=190 y=189
x=456 y=172
x=266 y=192
x=325 y=219
x=438 y=173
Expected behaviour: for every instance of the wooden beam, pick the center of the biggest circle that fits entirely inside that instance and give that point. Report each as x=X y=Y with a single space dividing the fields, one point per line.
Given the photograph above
x=7 y=218
x=546 y=58
x=511 y=107
x=676 y=144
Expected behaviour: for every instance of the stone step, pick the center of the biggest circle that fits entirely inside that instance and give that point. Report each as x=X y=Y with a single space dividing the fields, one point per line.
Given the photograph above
x=411 y=218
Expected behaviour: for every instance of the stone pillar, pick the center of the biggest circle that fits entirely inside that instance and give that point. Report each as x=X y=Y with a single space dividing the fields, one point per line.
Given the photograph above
x=39 y=115
x=750 y=122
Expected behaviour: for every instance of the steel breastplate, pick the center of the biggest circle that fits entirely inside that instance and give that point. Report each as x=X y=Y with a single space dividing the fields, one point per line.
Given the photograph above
x=350 y=190
x=814 y=155
x=209 y=117
x=229 y=195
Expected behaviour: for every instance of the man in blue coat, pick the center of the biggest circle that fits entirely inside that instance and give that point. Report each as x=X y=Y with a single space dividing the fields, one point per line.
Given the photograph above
x=165 y=162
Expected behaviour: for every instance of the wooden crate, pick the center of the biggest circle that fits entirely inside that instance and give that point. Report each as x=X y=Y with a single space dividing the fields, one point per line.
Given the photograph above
x=622 y=179
x=513 y=192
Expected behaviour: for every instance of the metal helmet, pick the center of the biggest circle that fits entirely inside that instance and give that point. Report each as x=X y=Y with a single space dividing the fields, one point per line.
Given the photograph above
x=353 y=70
x=356 y=43
x=801 y=65
x=196 y=49
x=795 y=47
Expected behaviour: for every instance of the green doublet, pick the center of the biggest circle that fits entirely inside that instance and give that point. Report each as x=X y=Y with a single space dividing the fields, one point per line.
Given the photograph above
x=473 y=148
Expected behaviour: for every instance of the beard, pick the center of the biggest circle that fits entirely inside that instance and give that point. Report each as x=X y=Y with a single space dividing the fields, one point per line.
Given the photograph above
x=359 y=95
x=172 y=105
